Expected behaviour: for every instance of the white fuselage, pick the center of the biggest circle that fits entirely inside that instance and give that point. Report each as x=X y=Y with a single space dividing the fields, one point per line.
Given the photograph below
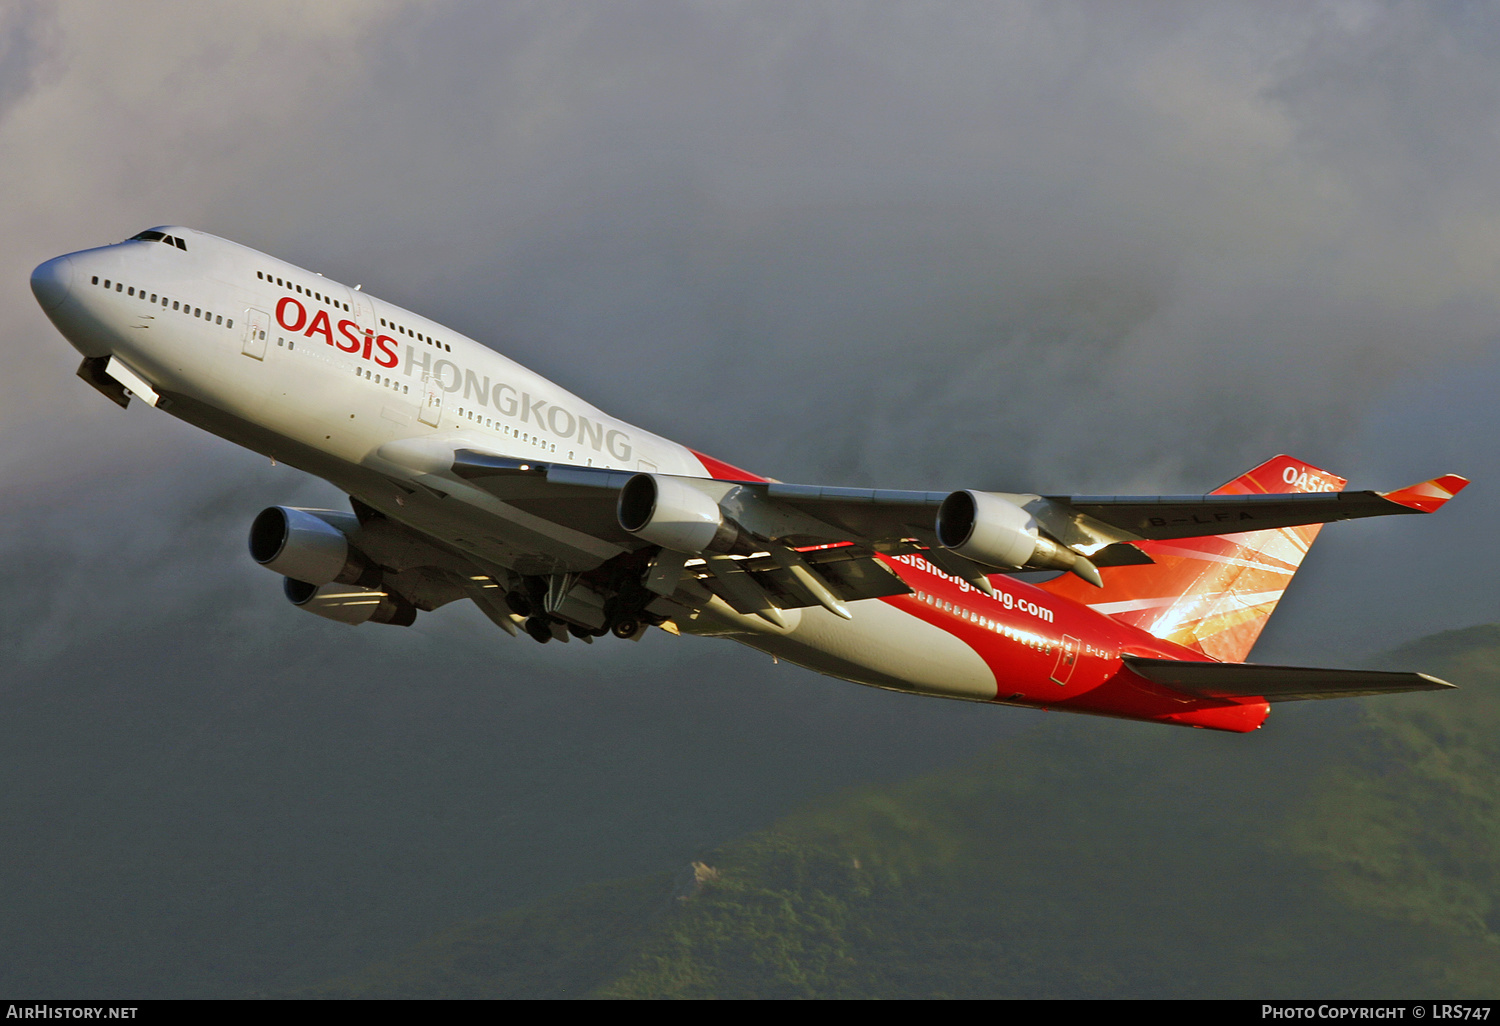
x=376 y=399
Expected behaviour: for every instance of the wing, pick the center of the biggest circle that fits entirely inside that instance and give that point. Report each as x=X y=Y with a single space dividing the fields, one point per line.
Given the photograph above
x=1136 y=518
x=788 y=545
x=1276 y=683
x=890 y=519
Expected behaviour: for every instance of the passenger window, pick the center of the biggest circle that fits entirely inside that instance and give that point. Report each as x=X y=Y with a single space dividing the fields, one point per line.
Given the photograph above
x=219 y=320
x=119 y=287
x=132 y=291
x=229 y=323
x=106 y=283
x=153 y=298
x=197 y=311
x=175 y=305
x=96 y=279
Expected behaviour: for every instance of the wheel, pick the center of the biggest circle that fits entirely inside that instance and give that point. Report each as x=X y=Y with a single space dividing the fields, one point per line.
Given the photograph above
x=626 y=628
x=540 y=628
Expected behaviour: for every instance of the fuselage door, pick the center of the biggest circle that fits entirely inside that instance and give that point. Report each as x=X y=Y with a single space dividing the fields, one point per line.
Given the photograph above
x=257 y=323
x=364 y=313
x=432 y=401
x=1067 y=660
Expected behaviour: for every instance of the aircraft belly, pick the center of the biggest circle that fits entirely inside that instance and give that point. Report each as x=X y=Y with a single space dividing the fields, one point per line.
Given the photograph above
x=883 y=647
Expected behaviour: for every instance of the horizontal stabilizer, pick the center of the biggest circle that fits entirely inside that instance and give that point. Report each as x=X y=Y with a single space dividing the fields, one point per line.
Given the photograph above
x=1276 y=683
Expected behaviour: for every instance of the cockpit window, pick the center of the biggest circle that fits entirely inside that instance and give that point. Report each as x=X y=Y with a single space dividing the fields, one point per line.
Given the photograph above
x=163 y=237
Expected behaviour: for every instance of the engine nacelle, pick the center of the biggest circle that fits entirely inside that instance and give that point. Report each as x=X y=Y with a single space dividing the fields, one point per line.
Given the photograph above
x=350 y=603
x=987 y=529
x=310 y=545
x=996 y=532
x=669 y=512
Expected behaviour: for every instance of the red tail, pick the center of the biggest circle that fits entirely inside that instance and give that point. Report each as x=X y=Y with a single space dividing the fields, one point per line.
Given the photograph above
x=1212 y=594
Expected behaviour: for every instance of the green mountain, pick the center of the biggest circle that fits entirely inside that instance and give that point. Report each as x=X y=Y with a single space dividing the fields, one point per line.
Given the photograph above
x=1348 y=849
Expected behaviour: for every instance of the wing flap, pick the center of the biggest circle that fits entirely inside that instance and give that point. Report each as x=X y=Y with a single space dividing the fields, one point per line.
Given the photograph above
x=1276 y=683
x=848 y=573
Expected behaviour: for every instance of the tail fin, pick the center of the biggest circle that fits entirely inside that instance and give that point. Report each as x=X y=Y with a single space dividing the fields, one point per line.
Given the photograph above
x=1212 y=594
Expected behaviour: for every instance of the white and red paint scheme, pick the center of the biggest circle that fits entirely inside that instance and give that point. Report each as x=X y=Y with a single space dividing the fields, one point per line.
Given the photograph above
x=472 y=477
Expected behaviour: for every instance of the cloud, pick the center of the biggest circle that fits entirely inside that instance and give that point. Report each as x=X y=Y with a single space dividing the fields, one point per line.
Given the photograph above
x=1039 y=246
x=1059 y=246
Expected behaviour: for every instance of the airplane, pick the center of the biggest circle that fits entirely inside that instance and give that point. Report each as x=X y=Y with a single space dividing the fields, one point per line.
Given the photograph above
x=471 y=477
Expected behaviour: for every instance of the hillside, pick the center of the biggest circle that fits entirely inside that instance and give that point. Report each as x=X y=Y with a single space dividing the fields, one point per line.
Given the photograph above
x=1348 y=849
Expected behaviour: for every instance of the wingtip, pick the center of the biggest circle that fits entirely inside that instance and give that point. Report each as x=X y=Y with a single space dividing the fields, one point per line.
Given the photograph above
x=1428 y=496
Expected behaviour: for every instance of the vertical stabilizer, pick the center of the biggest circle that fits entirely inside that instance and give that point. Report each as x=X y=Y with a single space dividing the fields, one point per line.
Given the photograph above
x=1212 y=594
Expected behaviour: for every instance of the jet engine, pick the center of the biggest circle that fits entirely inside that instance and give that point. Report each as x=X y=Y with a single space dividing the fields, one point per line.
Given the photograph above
x=996 y=532
x=669 y=512
x=350 y=603
x=310 y=545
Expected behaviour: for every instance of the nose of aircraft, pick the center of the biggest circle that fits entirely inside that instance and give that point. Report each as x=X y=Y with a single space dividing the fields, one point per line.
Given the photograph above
x=50 y=282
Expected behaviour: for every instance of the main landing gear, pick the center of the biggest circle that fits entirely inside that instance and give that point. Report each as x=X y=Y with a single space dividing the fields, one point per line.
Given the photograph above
x=583 y=606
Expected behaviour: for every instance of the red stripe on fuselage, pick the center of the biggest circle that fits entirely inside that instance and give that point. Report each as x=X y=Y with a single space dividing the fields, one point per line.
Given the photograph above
x=721 y=471
x=1023 y=632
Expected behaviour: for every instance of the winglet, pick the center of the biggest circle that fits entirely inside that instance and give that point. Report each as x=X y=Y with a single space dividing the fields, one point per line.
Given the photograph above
x=1428 y=496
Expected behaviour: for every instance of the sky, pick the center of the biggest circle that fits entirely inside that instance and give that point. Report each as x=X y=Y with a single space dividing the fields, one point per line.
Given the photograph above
x=1056 y=247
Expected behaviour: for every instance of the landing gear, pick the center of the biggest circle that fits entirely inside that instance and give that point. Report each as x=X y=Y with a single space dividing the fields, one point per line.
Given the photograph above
x=610 y=600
